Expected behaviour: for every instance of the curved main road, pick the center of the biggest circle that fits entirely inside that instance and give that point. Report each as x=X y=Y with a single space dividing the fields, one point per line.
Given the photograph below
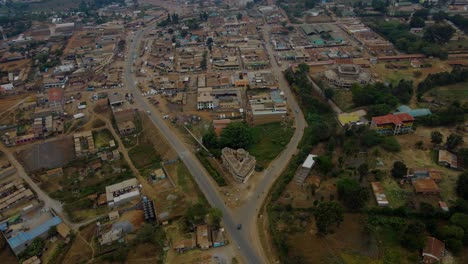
x=246 y=239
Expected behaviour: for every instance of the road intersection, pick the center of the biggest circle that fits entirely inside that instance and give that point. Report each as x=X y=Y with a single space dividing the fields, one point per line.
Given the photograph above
x=247 y=239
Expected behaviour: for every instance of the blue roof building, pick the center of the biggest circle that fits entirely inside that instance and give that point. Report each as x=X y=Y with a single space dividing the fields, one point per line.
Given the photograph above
x=413 y=112
x=23 y=239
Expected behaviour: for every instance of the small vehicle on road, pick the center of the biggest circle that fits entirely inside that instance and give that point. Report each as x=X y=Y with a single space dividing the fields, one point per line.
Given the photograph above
x=239 y=226
x=148 y=112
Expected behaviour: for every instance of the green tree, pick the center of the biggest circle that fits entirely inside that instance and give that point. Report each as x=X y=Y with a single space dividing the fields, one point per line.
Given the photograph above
x=352 y=194
x=453 y=141
x=327 y=214
x=462 y=185
x=391 y=144
x=329 y=93
x=399 y=169
x=463 y=156
x=324 y=163
x=413 y=237
x=196 y=214
x=363 y=170
x=417 y=22
x=439 y=33
x=214 y=216
x=239 y=16
x=436 y=137
x=450 y=231
x=237 y=135
x=460 y=220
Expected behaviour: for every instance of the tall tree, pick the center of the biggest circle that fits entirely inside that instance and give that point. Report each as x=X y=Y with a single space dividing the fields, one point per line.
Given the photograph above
x=352 y=194
x=436 y=137
x=237 y=135
x=453 y=141
x=439 y=33
x=399 y=169
x=327 y=214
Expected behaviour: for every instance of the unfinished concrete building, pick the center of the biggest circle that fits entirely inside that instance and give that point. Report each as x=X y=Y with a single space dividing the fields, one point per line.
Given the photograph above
x=239 y=163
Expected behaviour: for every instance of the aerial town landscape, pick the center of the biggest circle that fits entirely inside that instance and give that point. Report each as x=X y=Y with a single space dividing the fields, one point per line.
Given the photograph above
x=224 y=131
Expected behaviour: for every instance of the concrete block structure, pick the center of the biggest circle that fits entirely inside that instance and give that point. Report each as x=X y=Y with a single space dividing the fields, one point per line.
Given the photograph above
x=239 y=163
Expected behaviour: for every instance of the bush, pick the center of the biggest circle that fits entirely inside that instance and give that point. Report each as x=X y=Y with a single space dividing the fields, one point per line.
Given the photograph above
x=455 y=245
x=391 y=144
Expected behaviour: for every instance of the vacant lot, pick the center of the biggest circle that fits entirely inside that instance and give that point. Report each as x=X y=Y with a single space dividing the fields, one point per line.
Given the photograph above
x=450 y=93
x=346 y=239
x=270 y=141
x=48 y=155
x=102 y=138
x=144 y=155
x=395 y=75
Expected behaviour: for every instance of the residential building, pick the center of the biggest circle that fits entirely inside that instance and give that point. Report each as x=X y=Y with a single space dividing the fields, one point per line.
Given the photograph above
x=239 y=163
x=305 y=169
x=448 y=159
x=413 y=112
x=434 y=251
x=379 y=194
x=57 y=172
x=393 y=124
x=219 y=238
x=267 y=107
x=19 y=240
x=204 y=237
x=425 y=186
x=116 y=99
x=125 y=121
x=122 y=192
x=185 y=244
x=205 y=98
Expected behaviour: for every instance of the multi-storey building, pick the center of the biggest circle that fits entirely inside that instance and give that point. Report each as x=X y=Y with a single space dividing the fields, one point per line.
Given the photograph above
x=393 y=124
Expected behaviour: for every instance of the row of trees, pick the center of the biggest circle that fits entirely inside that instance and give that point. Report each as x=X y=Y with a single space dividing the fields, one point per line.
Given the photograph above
x=457 y=75
x=236 y=135
x=380 y=98
x=404 y=40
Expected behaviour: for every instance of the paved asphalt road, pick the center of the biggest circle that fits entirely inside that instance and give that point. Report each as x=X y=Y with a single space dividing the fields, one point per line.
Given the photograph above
x=247 y=239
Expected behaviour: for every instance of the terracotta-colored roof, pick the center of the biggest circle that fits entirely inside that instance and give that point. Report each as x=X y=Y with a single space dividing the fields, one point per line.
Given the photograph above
x=433 y=251
x=392 y=119
x=55 y=94
x=425 y=186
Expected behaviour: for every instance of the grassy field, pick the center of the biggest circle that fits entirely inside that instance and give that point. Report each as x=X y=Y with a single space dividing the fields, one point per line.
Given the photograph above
x=451 y=93
x=102 y=138
x=396 y=196
x=143 y=155
x=395 y=75
x=270 y=141
x=344 y=99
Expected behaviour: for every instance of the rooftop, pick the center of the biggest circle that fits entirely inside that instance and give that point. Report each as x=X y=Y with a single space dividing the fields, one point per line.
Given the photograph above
x=395 y=119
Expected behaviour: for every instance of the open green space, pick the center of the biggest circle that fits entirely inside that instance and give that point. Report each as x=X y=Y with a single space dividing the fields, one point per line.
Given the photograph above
x=102 y=138
x=270 y=140
x=79 y=181
x=144 y=155
x=453 y=92
x=344 y=99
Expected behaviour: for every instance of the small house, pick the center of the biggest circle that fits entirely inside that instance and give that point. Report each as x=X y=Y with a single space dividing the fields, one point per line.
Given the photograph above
x=114 y=215
x=448 y=159
x=219 y=238
x=425 y=186
x=434 y=251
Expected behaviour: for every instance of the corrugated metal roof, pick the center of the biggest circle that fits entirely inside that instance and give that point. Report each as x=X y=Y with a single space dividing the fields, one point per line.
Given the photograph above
x=23 y=237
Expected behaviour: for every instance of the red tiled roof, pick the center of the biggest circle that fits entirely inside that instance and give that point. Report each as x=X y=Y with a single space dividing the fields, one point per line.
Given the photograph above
x=55 y=94
x=434 y=250
x=392 y=118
